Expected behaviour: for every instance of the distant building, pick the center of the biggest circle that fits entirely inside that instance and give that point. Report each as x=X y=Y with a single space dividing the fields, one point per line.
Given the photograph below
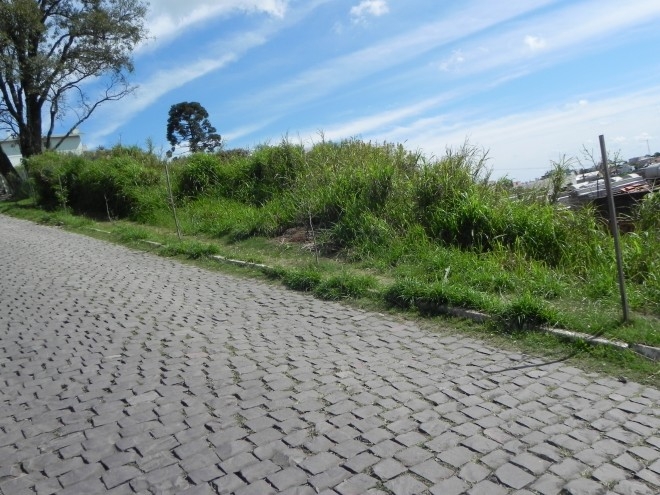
x=71 y=144
x=643 y=161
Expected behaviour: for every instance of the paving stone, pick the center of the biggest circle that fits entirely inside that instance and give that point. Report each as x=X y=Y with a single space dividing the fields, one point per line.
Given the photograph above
x=582 y=486
x=330 y=477
x=568 y=469
x=204 y=489
x=257 y=488
x=388 y=468
x=301 y=490
x=432 y=471
x=411 y=438
x=260 y=470
x=405 y=485
x=117 y=476
x=626 y=461
x=531 y=463
x=480 y=444
x=238 y=462
x=513 y=476
x=647 y=454
x=386 y=449
x=361 y=462
x=88 y=486
x=349 y=448
x=591 y=457
x=487 y=487
x=413 y=456
x=230 y=449
x=548 y=484
x=450 y=486
x=287 y=478
x=377 y=435
x=457 y=457
x=205 y=474
x=82 y=473
x=320 y=462
x=228 y=483
x=356 y=485
x=650 y=477
x=473 y=473
x=632 y=487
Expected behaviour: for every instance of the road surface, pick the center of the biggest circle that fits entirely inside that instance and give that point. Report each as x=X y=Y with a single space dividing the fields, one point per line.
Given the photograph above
x=123 y=372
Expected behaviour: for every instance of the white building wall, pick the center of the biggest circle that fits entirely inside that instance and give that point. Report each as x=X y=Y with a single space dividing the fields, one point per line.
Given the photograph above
x=71 y=144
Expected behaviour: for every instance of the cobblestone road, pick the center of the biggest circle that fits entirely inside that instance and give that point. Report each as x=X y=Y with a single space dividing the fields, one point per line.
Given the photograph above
x=122 y=372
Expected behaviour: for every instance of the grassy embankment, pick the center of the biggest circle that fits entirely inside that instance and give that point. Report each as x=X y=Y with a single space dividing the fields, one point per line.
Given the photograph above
x=379 y=224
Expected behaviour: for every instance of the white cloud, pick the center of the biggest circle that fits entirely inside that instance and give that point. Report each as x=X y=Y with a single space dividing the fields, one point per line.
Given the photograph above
x=378 y=121
x=453 y=62
x=173 y=17
x=535 y=43
x=375 y=8
x=568 y=32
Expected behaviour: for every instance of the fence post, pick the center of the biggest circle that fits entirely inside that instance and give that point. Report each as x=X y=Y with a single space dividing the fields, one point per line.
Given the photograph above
x=614 y=228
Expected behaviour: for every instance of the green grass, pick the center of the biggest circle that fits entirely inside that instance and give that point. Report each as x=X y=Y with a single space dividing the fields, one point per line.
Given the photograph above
x=390 y=226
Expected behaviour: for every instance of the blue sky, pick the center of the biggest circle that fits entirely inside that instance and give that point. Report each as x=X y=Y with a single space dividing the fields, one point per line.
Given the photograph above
x=527 y=80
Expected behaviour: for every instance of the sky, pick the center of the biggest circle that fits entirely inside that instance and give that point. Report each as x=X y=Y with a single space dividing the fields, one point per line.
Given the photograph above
x=527 y=81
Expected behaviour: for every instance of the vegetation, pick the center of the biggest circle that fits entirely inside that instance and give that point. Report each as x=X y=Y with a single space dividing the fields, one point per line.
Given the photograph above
x=390 y=225
x=49 y=50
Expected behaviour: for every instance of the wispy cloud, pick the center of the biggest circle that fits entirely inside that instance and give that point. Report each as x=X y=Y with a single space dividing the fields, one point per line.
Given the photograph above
x=174 y=17
x=535 y=43
x=397 y=50
x=561 y=34
x=369 y=8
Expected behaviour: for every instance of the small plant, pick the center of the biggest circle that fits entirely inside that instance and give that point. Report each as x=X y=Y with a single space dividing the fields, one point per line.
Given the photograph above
x=305 y=279
x=192 y=249
x=131 y=233
x=526 y=312
x=345 y=285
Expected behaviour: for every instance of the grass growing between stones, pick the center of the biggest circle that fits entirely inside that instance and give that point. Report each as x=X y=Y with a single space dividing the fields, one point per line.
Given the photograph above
x=370 y=222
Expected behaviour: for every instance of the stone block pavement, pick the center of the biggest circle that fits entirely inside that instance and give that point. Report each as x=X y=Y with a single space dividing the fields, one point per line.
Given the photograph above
x=122 y=372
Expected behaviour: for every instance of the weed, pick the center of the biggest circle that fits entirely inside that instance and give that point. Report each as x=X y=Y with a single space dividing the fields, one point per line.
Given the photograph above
x=344 y=285
x=526 y=312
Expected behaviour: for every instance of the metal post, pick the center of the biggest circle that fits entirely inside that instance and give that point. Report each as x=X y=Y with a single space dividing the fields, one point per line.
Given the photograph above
x=614 y=228
x=171 y=198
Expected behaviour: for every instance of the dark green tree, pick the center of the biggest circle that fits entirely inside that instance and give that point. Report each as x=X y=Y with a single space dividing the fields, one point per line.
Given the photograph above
x=48 y=50
x=188 y=124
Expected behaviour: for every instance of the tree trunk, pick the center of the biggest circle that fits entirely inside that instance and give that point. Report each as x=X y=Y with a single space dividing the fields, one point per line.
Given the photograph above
x=30 y=138
x=12 y=179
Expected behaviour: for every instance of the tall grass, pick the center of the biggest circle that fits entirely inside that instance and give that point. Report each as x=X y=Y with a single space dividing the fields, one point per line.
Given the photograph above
x=437 y=226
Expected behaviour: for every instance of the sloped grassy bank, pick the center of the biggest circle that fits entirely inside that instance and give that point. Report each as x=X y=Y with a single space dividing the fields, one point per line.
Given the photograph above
x=388 y=223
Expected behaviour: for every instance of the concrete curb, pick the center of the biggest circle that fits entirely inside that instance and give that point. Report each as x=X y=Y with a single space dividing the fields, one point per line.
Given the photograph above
x=217 y=257
x=652 y=353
